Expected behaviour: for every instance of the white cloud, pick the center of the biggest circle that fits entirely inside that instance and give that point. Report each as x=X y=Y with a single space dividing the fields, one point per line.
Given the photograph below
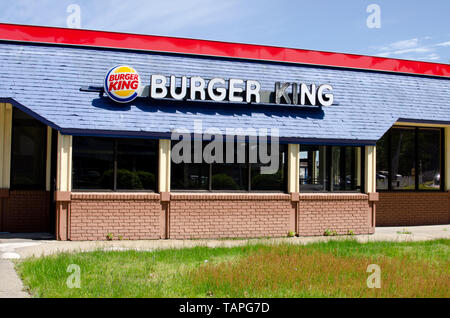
x=412 y=49
x=401 y=45
x=443 y=44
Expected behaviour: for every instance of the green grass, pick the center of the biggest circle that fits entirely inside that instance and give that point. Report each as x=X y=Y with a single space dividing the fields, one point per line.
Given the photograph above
x=404 y=231
x=332 y=269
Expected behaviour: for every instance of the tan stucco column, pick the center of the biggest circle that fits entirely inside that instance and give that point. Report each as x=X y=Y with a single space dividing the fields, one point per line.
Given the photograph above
x=48 y=160
x=293 y=183
x=5 y=144
x=293 y=168
x=63 y=186
x=5 y=155
x=370 y=177
x=370 y=169
x=164 y=166
x=164 y=185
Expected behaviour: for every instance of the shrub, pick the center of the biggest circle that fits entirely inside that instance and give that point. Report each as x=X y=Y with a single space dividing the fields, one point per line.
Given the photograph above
x=267 y=181
x=221 y=181
x=147 y=179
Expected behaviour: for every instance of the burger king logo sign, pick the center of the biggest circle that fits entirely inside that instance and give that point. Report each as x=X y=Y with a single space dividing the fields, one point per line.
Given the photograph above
x=122 y=83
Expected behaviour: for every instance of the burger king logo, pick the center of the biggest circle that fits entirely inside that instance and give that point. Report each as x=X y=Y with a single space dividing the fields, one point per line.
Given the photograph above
x=122 y=83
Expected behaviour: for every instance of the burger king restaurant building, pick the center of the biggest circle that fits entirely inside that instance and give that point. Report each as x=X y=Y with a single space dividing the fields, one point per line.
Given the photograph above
x=92 y=124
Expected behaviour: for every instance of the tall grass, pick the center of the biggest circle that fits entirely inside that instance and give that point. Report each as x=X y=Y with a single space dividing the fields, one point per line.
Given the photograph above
x=332 y=269
x=289 y=271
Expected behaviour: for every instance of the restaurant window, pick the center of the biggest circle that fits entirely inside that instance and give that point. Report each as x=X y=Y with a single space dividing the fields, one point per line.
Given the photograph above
x=410 y=158
x=114 y=164
x=224 y=175
x=329 y=168
x=313 y=172
x=231 y=175
x=269 y=181
x=190 y=176
x=28 y=152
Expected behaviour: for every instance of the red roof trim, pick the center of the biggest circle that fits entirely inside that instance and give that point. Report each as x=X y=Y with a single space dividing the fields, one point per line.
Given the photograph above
x=51 y=35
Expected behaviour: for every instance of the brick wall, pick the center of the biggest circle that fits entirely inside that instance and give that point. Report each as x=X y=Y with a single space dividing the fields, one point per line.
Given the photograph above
x=335 y=212
x=230 y=215
x=91 y=216
x=132 y=216
x=26 y=211
x=412 y=208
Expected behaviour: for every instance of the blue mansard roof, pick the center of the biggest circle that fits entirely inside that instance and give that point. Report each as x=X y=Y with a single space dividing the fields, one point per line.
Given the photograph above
x=44 y=81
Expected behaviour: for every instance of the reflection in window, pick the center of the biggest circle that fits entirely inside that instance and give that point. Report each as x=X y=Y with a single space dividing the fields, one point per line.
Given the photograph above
x=344 y=168
x=137 y=164
x=232 y=176
x=93 y=163
x=318 y=163
x=193 y=176
x=270 y=181
x=28 y=152
x=313 y=172
x=429 y=159
x=403 y=158
x=383 y=163
x=404 y=150
x=110 y=164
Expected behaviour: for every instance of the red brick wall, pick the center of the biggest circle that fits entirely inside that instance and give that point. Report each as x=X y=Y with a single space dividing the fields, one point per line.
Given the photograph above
x=412 y=208
x=132 y=216
x=230 y=215
x=26 y=211
x=91 y=216
x=335 y=212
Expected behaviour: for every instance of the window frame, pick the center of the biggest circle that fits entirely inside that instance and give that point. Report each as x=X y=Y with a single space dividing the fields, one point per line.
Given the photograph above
x=283 y=148
x=416 y=159
x=328 y=185
x=115 y=155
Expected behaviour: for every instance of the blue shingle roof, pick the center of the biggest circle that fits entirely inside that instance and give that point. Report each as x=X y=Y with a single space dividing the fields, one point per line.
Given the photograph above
x=44 y=80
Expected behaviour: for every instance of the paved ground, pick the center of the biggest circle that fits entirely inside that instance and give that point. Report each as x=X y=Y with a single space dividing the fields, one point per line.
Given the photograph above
x=15 y=246
x=10 y=284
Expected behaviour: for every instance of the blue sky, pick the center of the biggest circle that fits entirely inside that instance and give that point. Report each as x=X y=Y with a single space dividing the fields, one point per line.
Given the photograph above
x=415 y=30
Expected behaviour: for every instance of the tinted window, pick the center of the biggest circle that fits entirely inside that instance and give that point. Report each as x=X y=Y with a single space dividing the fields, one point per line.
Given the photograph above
x=114 y=164
x=275 y=180
x=313 y=168
x=231 y=174
x=193 y=176
x=344 y=168
x=137 y=164
x=28 y=152
x=93 y=163
x=429 y=159
x=403 y=158
x=383 y=163
x=409 y=158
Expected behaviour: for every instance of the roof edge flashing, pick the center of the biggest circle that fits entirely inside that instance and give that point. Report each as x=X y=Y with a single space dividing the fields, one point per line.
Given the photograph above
x=174 y=45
